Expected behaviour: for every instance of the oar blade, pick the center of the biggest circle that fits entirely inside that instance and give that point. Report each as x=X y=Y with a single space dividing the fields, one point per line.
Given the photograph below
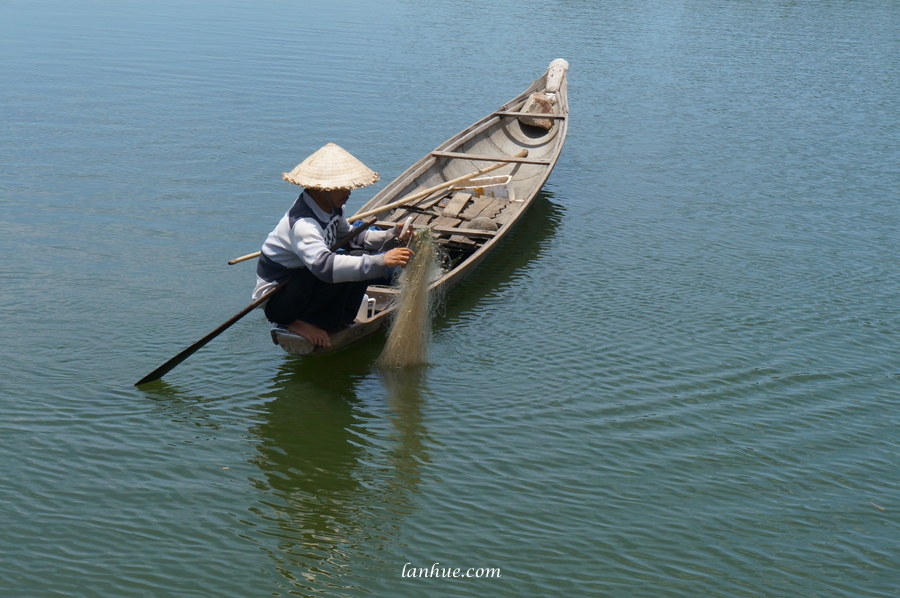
x=173 y=363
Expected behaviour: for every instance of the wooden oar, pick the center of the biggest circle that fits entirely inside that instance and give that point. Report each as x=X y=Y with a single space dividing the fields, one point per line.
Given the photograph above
x=172 y=363
x=414 y=196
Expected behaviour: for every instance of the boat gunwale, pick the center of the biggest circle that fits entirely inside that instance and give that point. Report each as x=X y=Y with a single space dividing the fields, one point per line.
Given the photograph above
x=421 y=166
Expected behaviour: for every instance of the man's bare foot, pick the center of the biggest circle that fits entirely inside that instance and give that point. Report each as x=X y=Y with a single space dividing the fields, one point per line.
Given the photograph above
x=310 y=332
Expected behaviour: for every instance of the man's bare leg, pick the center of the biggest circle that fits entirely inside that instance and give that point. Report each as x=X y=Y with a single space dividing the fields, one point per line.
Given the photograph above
x=310 y=332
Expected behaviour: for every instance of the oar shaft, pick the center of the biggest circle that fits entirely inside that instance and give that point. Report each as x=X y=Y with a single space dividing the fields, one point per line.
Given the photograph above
x=172 y=363
x=249 y=256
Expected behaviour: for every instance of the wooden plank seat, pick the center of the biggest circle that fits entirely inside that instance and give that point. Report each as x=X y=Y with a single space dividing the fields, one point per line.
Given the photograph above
x=514 y=114
x=465 y=232
x=444 y=223
x=482 y=158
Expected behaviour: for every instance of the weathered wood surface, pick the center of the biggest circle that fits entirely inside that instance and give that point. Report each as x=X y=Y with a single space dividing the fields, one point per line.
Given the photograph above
x=556 y=74
x=419 y=195
x=486 y=207
x=455 y=230
x=444 y=222
x=456 y=204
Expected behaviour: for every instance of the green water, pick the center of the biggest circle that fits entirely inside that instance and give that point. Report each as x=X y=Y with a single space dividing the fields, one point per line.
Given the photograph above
x=678 y=378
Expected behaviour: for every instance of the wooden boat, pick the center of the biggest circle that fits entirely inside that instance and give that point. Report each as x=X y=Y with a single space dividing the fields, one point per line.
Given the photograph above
x=471 y=190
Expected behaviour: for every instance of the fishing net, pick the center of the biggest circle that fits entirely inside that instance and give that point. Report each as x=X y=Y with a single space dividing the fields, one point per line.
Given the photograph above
x=410 y=330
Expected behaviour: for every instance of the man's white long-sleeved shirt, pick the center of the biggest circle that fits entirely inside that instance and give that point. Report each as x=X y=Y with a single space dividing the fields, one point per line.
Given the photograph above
x=303 y=239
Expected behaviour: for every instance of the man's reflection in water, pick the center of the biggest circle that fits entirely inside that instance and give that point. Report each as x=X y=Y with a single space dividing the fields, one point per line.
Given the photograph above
x=340 y=462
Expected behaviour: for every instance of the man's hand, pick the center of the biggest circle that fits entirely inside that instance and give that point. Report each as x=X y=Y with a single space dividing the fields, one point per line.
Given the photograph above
x=399 y=256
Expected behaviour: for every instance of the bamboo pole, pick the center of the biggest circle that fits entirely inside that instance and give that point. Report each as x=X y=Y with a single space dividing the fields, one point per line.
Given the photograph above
x=414 y=196
x=249 y=256
x=430 y=190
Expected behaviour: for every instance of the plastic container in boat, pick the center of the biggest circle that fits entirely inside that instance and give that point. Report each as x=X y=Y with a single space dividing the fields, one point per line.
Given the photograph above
x=366 y=308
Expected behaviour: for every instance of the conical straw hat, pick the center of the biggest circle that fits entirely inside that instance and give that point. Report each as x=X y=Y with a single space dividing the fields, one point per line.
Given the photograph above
x=331 y=167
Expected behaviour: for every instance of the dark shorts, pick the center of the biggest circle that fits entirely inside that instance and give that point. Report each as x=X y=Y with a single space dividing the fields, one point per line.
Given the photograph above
x=330 y=306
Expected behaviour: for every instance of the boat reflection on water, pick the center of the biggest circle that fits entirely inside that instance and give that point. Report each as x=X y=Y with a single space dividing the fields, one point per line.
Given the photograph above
x=513 y=258
x=340 y=463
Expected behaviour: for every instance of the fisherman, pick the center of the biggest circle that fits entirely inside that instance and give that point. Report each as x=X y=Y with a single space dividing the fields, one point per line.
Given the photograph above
x=326 y=287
